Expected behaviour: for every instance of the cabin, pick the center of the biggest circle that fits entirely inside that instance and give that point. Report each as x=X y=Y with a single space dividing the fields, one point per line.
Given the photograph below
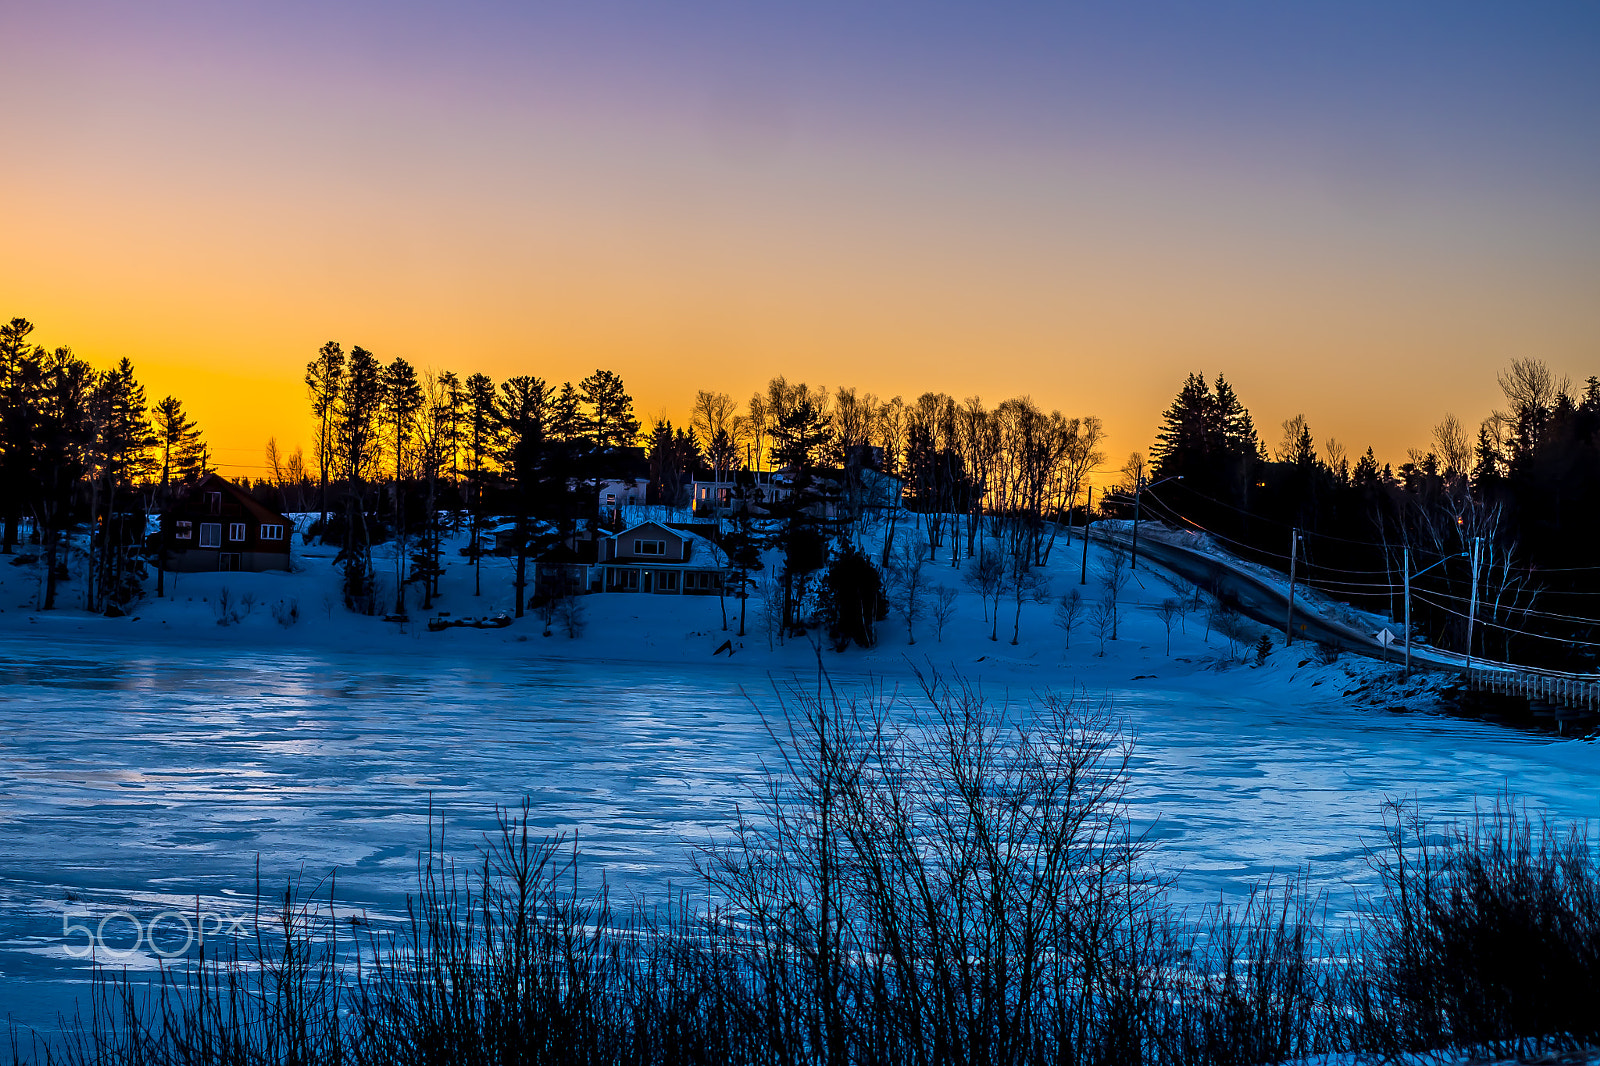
x=654 y=558
x=215 y=525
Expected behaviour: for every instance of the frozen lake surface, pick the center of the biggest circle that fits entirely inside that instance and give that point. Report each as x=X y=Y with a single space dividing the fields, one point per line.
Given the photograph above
x=141 y=780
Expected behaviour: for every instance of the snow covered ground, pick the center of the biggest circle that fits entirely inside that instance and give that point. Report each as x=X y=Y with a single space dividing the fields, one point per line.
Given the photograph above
x=149 y=761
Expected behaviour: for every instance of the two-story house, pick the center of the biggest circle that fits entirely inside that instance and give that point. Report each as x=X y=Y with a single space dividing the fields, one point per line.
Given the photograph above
x=651 y=557
x=216 y=525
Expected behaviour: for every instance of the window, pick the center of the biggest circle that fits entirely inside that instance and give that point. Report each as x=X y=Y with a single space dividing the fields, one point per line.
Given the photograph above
x=611 y=499
x=271 y=532
x=669 y=581
x=183 y=530
x=649 y=547
x=235 y=530
x=210 y=534
x=214 y=502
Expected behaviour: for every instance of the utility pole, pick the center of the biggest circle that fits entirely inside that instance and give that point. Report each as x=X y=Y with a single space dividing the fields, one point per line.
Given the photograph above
x=1083 y=578
x=1472 y=610
x=1288 y=625
x=1138 y=487
x=1407 y=559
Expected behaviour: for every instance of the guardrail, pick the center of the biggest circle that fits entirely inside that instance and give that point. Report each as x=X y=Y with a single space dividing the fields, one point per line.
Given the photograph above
x=1562 y=690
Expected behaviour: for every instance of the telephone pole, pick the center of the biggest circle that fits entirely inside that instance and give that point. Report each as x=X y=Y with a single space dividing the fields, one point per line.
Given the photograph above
x=1407 y=560
x=1288 y=625
x=1138 y=488
x=1472 y=609
x=1083 y=578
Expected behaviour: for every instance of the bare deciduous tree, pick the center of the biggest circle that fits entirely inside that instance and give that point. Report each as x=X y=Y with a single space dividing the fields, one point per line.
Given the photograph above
x=908 y=584
x=944 y=608
x=1069 y=612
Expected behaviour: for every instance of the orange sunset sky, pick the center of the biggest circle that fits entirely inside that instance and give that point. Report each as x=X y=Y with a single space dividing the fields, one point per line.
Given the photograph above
x=1354 y=214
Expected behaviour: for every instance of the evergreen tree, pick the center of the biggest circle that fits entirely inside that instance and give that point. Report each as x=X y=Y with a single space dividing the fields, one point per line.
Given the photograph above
x=64 y=433
x=119 y=455
x=852 y=599
x=324 y=376
x=743 y=543
x=523 y=412
x=360 y=405
x=567 y=423
x=178 y=440
x=611 y=422
x=481 y=432
x=401 y=399
x=18 y=368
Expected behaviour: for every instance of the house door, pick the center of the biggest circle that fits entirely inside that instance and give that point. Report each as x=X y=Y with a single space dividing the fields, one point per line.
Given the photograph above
x=227 y=560
x=649 y=581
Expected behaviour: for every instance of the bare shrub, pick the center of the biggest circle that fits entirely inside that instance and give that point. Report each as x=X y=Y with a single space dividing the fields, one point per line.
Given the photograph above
x=1486 y=937
x=286 y=612
x=573 y=616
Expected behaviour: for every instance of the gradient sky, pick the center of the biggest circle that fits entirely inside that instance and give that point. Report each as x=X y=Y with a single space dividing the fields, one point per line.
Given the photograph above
x=1356 y=211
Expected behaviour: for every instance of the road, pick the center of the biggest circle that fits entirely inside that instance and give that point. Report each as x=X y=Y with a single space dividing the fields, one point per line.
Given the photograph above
x=1263 y=601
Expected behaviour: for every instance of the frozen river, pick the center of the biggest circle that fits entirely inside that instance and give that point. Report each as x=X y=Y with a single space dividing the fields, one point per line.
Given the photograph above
x=139 y=781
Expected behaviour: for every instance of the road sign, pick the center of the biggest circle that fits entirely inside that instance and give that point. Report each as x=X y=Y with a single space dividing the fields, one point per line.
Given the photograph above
x=1384 y=637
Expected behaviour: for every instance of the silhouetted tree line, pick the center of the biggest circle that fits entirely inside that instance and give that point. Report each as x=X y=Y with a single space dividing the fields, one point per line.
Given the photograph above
x=395 y=451
x=1519 y=500
x=81 y=451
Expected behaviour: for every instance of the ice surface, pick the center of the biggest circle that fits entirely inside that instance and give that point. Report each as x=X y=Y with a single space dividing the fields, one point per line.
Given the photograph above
x=149 y=779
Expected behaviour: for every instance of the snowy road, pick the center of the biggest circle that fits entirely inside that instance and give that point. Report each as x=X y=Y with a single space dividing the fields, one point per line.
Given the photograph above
x=138 y=780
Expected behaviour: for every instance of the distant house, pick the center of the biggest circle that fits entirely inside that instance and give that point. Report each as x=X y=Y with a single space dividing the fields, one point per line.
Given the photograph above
x=215 y=525
x=853 y=489
x=654 y=558
x=713 y=496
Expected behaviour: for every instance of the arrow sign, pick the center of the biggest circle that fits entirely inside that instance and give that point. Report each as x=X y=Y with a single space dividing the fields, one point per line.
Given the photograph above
x=1383 y=637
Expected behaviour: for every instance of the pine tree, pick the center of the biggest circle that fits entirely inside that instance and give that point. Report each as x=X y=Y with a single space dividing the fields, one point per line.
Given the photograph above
x=360 y=405
x=18 y=367
x=120 y=455
x=481 y=442
x=611 y=422
x=743 y=543
x=64 y=433
x=324 y=377
x=402 y=398
x=523 y=415
x=178 y=440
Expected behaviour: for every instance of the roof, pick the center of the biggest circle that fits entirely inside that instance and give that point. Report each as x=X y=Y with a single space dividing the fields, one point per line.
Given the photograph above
x=215 y=482
x=702 y=552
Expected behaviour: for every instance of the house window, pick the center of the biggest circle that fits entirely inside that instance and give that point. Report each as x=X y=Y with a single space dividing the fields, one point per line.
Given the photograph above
x=183 y=530
x=271 y=532
x=649 y=547
x=669 y=580
x=210 y=534
x=611 y=499
x=235 y=530
x=214 y=502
